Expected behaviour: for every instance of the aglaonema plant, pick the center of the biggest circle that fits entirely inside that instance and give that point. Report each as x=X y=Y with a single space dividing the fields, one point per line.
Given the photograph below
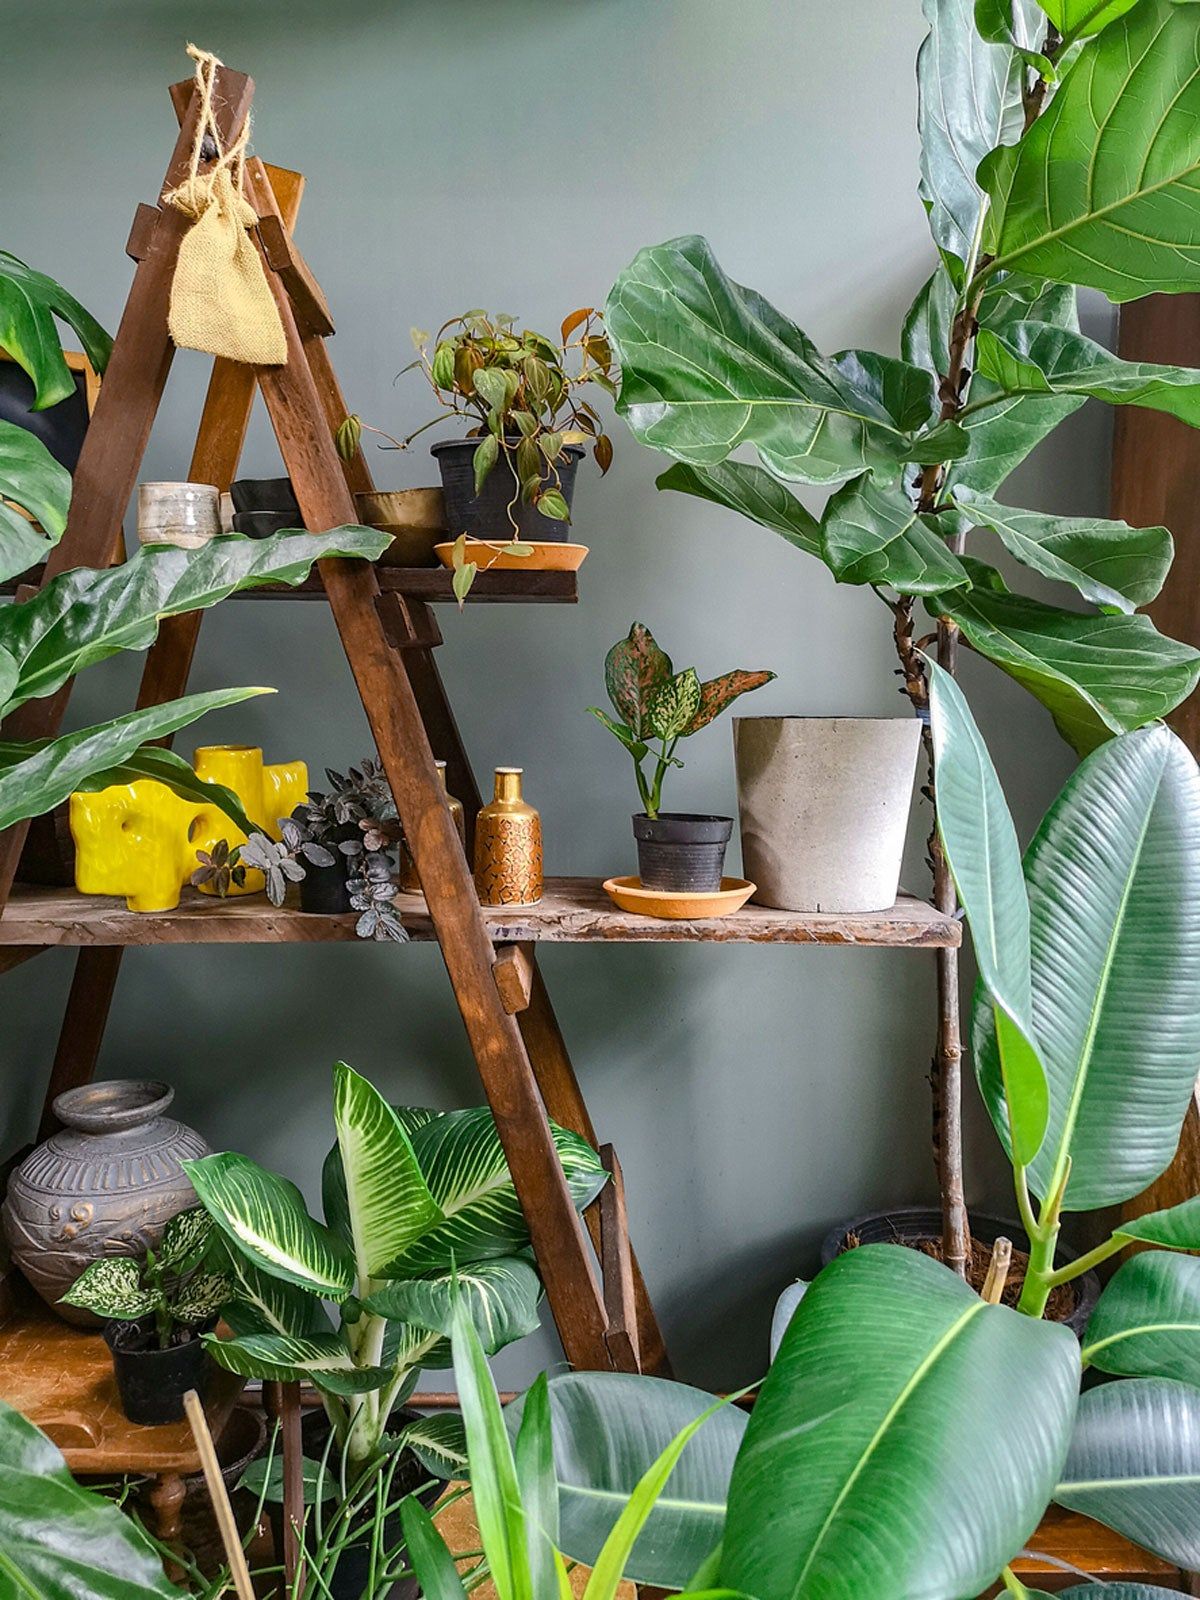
x=1059 y=147
x=414 y=1200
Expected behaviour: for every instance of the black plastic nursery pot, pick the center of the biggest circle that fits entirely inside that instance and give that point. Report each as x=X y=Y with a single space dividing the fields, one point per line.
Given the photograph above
x=920 y=1227
x=486 y=515
x=264 y=524
x=323 y=889
x=681 y=852
x=265 y=494
x=151 y=1382
x=350 y=1578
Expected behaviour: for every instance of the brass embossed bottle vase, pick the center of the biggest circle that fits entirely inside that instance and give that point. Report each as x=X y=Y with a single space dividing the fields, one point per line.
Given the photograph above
x=508 y=846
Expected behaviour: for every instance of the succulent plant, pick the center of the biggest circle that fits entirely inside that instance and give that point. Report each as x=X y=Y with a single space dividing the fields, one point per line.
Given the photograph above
x=220 y=869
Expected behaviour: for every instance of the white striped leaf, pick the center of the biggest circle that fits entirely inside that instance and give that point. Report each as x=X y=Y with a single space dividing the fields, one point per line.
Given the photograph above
x=440 y=1444
x=1147 y=1322
x=467 y=1173
x=388 y=1203
x=263 y=1304
x=265 y=1217
x=1113 y=876
x=277 y=1358
x=501 y=1295
x=405 y=1345
x=1134 y=1465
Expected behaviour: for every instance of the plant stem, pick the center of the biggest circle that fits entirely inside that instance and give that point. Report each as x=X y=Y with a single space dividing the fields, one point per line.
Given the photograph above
x=1076 y=1269
x=1039 y=1279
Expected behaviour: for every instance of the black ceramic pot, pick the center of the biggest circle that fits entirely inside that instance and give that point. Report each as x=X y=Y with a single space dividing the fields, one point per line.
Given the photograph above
x=264 y=494
x=323 y=889
x=910 y=1225
x=60 y=428
x=152 y=1382
x=262 y=524
x=485 y=515
x=681 y=852
x=350 y=1578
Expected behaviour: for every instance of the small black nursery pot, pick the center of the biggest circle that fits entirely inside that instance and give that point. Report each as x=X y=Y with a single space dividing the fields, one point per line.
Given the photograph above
x=152 y=1382
x=485 y=515
x=681 y=852
x=265 y=494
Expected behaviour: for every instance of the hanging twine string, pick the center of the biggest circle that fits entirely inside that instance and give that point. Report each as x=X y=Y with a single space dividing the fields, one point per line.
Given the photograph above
x=193 y=195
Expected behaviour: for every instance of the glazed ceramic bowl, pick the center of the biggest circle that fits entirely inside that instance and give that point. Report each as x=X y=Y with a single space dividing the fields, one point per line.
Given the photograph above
x=183 y=514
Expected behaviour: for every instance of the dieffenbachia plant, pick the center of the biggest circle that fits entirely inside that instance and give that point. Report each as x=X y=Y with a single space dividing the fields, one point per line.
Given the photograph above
x=1055 y=152
x=416 y=1201
x=657 y=706
x=172 y=1283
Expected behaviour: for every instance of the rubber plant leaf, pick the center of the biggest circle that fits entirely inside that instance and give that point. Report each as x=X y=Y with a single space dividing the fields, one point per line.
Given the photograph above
x=36 y=777
x=829 y=1448
x=1147 y=1321
x=1176 y=1228
x=1101 y=190
x=981 y=848
x=30 y=478
x=608 y=1429
x=708 y=366
x=1134 y=1465
x=752 y=492
x=29 y=303
x=84 y=616
x=1113 y=878
x=1115 y=566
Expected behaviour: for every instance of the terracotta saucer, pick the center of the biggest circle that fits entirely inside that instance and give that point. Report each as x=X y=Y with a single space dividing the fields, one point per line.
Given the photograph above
x=679 y=904
x=554 y=555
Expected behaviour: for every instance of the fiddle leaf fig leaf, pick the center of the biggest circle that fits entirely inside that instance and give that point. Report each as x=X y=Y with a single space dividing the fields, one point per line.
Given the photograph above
x=754 y=493
x=718 y=693
x=1034 y=358
x=872 y=533
x=1115 y=566
x=708 y=365
x=1078 y=19
x=673 y=705
x=1101 y=190
x=633 y=669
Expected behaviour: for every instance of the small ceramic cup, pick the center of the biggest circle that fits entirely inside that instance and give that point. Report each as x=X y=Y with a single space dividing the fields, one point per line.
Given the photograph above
x=183 y=514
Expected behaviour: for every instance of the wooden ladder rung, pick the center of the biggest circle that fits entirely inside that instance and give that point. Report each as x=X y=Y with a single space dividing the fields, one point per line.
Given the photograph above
x=513 y=972
x=403 y=630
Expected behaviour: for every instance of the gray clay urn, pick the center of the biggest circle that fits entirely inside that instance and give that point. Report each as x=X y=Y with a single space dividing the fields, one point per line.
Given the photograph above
x=105 y=1184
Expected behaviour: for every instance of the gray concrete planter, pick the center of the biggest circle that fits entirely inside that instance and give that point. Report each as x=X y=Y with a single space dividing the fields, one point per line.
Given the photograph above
x=823 y=804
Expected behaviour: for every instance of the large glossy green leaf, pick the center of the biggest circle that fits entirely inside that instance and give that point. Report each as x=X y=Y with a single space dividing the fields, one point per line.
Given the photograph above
x=388 y=1202
x=1176 y=1228
x=1147 y=1322
x=872 y=533
x=30 y=477
x=981 y=848
x=753 y=492
x=266 y=1304
x=278 y=1357
x=969 y=102
x=708 y=365
x=467 y=1173
x=533 y=1455
x=164 y=766
x=501 y=1295
x=1096 y=675
x=264 y=1216
x=29 y=303
x=1113 y=876
x=1102 y=189
x=1134 y=1465
x=889 y=1468
x=62 y=1542
x=1035 y=358
x=1077 y=19
x=609 y=1428
x=429 y=1553
x=1115 y=566
x=37 y=776
x=84 y=616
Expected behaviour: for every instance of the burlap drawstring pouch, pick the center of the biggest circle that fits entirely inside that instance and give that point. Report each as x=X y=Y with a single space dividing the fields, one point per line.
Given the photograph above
x=220 y=300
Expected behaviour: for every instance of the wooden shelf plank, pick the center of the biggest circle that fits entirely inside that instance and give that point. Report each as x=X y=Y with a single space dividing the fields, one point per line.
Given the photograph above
x=61 y=1378
x=573 y=910
x=420 y=583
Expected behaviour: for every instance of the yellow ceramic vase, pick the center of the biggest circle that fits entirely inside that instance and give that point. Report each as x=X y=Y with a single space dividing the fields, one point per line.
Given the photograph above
x=410 y=880
x=508 y=846
x=140 y=839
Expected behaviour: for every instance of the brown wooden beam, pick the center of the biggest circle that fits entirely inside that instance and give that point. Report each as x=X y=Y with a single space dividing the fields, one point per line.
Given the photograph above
x=82 y=1032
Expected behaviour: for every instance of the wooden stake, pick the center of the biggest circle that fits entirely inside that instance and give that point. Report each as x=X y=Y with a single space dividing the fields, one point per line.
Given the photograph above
x=219 y=1495
x=997 y=1273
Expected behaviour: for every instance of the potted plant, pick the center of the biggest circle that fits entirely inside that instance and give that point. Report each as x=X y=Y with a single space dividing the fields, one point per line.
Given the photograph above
x=509 y=483
x=414 y=1201
x=156 y=1311
x=656 y=707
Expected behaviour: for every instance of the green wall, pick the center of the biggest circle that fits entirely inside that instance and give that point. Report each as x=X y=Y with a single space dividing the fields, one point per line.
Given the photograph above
x=515 y=156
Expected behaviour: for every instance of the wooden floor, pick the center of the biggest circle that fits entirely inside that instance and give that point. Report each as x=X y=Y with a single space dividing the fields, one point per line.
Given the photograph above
x=572 y=910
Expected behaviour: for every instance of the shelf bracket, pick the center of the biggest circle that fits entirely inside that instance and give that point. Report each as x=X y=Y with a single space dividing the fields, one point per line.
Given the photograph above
x=513 y=972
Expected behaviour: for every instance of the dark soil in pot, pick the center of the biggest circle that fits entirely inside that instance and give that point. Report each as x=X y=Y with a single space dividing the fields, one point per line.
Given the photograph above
x=681 y=852
x=349 y=1581
x=152 y=1382
x=920 y=1228
x=485 y=515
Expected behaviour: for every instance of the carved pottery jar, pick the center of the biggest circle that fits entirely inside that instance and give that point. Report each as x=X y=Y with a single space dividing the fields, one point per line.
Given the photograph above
x=106 y=1183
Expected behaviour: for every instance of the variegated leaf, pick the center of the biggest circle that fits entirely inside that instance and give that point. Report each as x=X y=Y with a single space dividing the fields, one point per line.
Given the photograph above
x=388 y=1202
x=184 y=1239
x=502 y=1296
x=202 y=1298
x=276 y=1358
x=440 y=1444
x=673 y=705
x=263 y=1304
x=720 y=692
x=112 y=1288
x=265 y=1217
x=633 y=669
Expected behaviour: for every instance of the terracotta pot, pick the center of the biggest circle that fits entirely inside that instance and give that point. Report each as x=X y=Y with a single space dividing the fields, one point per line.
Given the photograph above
x=415 y=518
x=823 y=804
x=106 y=1184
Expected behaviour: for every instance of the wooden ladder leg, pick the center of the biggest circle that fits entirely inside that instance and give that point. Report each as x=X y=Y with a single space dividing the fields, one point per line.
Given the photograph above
x=82 y=1032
